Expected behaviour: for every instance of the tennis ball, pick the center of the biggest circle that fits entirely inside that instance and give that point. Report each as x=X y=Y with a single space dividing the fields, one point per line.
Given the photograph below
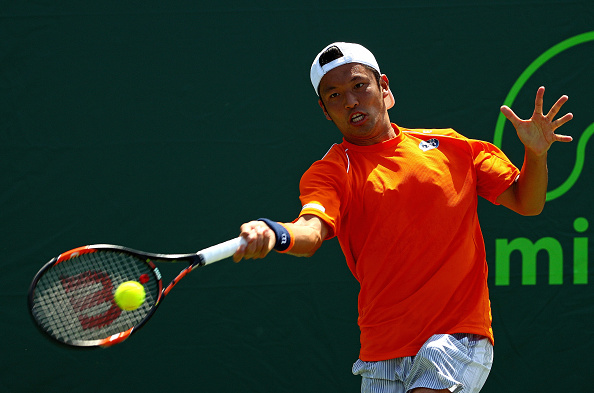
x=129 y=295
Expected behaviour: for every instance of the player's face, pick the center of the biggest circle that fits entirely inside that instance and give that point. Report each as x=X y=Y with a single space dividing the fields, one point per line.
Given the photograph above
x=351 y=98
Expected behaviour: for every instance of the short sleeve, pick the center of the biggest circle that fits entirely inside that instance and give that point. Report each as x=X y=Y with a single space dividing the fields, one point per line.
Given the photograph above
x=324 y=193
x=495 y=172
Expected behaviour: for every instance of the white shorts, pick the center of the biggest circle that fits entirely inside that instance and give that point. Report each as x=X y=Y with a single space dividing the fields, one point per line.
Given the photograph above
x=457 y=362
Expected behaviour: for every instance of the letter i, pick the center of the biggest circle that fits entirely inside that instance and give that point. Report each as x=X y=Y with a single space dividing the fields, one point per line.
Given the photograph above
x=580 y=252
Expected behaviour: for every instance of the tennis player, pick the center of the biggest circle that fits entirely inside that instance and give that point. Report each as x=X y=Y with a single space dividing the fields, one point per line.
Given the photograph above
x=403 y=204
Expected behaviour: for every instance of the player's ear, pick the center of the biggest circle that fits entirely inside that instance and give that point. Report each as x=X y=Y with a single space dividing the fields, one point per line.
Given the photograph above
x=321 y=104
x=386 y=92
x=385 y=84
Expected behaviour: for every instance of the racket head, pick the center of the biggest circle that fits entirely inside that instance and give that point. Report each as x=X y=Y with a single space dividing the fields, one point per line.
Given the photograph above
x=71 y=297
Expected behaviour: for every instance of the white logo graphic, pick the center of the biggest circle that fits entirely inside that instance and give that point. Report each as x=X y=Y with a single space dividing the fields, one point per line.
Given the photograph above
x=314 y=206
x=428 y=145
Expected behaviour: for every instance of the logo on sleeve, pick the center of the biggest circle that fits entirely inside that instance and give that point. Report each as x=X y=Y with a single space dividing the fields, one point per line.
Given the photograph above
x=432 y=143
x=316 y=206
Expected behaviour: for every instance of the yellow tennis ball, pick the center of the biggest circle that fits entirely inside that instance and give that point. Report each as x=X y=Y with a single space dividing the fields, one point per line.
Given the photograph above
x=129 y=295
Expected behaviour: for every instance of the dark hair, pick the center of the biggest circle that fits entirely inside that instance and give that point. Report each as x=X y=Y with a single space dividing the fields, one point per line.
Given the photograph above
x=330 y=54
x=333 y=53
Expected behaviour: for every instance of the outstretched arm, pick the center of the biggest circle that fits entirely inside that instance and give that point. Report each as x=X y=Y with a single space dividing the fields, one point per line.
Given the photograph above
x=308 y=233
x=527 y=195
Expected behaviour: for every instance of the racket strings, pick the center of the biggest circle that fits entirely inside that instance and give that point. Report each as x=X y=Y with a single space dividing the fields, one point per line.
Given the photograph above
x=74 y=303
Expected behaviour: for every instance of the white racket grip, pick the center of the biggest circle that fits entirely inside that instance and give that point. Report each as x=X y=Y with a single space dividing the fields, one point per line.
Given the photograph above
x=221 y=251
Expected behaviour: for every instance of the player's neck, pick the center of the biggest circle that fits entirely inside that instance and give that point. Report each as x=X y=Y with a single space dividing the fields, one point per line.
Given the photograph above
x=384 y=132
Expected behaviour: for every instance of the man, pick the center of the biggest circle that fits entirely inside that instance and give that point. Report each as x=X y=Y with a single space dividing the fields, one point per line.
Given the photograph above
x=403 y=204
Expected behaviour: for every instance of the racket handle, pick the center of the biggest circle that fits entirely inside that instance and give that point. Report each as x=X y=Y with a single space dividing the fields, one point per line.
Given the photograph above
x=221 y=251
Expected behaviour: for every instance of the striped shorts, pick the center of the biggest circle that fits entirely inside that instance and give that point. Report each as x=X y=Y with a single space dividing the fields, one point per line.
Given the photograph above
x=457 y=362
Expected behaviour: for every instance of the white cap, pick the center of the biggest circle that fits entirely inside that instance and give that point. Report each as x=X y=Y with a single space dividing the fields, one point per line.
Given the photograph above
x=351 y=53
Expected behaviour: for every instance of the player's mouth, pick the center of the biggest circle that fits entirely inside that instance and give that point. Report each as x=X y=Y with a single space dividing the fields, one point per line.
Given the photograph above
x=358 y=118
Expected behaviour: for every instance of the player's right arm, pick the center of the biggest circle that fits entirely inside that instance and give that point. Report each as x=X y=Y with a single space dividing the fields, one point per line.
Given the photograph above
x=307 y=234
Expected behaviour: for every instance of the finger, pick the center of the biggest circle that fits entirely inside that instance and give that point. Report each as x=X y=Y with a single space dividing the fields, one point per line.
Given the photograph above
x=559 y=122
x=557 y=107
x=563 y=138
x=244 y=232
x=249 y=233
x=510 y=115
x=539 y=100
x=239 y=253
x=262 y=250
x=266 y=247
x=255 y=243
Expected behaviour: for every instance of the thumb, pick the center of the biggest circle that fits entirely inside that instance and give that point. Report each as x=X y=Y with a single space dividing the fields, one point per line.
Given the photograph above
x=510 y=115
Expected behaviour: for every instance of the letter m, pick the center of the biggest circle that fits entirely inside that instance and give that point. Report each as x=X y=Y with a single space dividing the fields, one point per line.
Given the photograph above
x=529 y=251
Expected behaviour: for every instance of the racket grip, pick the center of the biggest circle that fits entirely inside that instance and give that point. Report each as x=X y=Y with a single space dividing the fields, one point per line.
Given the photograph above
x=221 y=251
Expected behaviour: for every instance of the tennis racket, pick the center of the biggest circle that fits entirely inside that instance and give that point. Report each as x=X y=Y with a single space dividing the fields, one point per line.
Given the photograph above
x=71 y=299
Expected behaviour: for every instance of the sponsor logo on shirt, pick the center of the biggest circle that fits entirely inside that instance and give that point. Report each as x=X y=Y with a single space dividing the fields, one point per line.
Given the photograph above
x=432 y=143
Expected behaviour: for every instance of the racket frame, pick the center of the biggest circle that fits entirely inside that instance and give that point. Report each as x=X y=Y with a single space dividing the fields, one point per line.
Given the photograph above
x=194 y=260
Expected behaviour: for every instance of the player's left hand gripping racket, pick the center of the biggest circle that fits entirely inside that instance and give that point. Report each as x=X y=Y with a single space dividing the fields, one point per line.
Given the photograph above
x=71 y=297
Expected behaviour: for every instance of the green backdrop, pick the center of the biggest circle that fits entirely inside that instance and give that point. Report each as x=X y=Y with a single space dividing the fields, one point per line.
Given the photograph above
x=163 y=126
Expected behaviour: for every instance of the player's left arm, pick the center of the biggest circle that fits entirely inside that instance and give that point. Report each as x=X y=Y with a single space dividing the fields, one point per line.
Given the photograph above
x=528 y=194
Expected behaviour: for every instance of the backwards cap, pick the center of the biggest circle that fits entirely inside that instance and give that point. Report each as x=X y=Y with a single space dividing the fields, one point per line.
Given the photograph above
x=351 y=53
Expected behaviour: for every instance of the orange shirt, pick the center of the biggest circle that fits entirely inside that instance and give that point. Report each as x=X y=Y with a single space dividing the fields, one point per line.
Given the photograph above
x=405 y=214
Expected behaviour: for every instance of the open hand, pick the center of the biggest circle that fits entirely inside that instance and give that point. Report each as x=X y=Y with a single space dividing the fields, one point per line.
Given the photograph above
x=538 y=133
